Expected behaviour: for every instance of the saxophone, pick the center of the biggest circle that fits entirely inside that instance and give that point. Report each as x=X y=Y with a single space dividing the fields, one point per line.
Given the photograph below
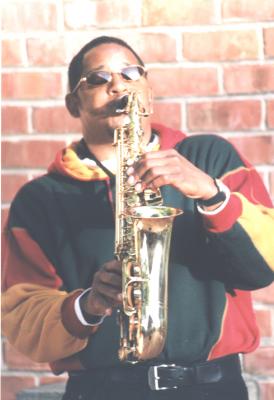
x=143 y=230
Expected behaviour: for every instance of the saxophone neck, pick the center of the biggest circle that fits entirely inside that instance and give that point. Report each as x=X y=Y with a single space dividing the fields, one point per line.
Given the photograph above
x=130 y=104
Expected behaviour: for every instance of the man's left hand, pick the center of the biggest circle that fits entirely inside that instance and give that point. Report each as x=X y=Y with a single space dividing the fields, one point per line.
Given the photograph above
x=168 y=167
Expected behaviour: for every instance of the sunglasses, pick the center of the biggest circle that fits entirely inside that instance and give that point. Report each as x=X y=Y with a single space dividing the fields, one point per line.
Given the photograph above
x=99 y=78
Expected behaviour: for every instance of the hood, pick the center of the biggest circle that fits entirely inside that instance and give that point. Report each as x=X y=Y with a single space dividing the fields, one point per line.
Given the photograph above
x=67 y=161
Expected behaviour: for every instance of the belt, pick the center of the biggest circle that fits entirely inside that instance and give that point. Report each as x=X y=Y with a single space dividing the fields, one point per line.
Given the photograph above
x=162 y=377
x=170 y=376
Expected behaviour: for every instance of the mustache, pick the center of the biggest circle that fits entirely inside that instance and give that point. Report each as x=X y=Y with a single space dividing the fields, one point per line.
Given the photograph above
x=113 y=107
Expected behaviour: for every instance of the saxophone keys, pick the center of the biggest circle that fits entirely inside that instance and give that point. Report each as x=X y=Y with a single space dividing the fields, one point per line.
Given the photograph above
x=123 y=352
x=136 y=270
x=130 y=162
x=137 y=296
x=132 y=201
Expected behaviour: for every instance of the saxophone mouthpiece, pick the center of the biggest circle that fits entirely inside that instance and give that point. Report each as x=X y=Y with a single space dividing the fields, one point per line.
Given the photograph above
x=122 y=104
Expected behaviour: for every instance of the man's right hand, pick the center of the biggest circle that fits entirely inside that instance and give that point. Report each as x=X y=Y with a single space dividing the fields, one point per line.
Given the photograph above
x=105 y=291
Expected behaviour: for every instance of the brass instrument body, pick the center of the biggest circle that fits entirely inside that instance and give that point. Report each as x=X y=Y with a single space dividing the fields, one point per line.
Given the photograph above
x=142 y=243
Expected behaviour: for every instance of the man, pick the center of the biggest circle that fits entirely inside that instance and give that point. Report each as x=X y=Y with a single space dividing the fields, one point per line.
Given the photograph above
x=60 y=241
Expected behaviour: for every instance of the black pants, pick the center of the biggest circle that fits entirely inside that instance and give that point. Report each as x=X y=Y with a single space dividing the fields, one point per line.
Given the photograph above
x=233 y=390
x=101 y=385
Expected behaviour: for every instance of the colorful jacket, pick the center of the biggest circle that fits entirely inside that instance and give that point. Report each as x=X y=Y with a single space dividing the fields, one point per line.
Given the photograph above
x=61 y=229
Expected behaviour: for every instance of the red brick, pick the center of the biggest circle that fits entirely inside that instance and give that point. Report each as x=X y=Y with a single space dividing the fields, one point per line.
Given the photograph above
x=4 y=217
x=249 y=10
x=46 y=380
x=267 y=390
x=260 y=362
x=168 y=114
x=263 y=318
x=54 y=120
x=257 y=149
x=118 y=13
x=73 y=43
x=12 y=52
x=265 y=295
x=249 y=79
x=18 y=16
x=270 y=113
x=11 y=385
x=183 y=81
x=79 y=17
x=153 y=47
x=220 y=46
x=17 y=361
x=31 y=85
x=46 y=52
x=269 y=42
x=104 y=14
x=14 y=119
x=29 y=154
x=10 y=184
x=224 y=115
x=178 y=12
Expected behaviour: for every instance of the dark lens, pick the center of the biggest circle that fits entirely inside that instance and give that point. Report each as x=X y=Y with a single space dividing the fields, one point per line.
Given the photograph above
x=98 y=78
x=132 y=73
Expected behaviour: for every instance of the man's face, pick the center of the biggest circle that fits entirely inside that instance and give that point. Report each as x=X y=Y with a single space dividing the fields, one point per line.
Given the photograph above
x=98 y=104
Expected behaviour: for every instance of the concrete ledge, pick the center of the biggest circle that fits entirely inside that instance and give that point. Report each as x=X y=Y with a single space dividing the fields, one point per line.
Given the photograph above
x=45 y=392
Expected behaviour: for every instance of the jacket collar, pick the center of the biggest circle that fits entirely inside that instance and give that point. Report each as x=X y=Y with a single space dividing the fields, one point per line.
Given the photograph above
x=77 y=162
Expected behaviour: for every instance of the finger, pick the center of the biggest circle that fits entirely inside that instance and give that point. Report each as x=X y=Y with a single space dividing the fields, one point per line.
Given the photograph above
x=148 y=164
x=136 y=182
x=167 y=174
x=166 y=179
x=130 y=171
x=114 y=266
x=110 y=279
x=139 y=187
x=160 y=154
x=132 y=180
x=99 y=305
x=112 y=295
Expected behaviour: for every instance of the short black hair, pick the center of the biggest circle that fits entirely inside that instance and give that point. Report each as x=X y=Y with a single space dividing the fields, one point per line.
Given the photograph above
x=76 y=65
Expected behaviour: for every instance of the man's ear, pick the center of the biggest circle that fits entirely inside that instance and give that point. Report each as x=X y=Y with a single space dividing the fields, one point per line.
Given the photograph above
x=72 y=104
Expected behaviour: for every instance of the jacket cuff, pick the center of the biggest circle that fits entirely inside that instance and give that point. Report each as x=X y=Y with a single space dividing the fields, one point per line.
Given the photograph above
x=71 y=363
x=223 y=220
x=71 y=321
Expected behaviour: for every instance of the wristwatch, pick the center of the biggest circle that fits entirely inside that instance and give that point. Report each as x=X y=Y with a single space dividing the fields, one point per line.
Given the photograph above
x=218 y=197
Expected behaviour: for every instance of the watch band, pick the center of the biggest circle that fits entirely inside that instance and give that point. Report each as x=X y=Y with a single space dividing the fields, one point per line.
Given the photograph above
x=217 y=198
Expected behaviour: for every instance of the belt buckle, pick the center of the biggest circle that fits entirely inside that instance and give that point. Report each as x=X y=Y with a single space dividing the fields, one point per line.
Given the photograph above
x=153 y=377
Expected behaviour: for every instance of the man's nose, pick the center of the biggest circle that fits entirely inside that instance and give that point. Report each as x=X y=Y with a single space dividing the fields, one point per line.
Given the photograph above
x=117 y=84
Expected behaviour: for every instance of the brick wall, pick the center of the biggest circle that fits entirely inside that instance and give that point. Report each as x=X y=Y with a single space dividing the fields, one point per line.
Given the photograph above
x=211 y=65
